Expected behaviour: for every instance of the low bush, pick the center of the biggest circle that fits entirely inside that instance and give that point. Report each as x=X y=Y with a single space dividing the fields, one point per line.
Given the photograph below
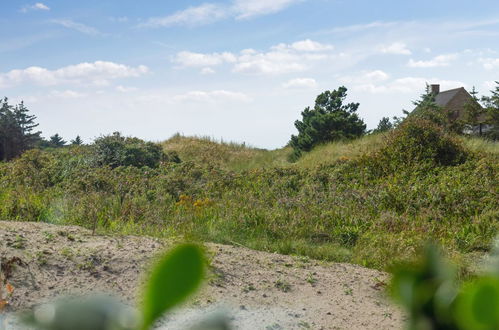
x=116 y=150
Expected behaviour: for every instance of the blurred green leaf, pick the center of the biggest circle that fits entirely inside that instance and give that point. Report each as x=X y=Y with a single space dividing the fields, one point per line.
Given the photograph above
x=427 y=291
x=478 y=305
x=173 y=279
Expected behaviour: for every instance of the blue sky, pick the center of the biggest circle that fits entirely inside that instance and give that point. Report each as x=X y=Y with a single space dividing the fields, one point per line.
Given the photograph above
x=234 y=70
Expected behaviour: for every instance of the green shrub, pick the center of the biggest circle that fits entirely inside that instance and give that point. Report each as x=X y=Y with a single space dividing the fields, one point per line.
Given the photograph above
x=420 y=142
x=116 y=150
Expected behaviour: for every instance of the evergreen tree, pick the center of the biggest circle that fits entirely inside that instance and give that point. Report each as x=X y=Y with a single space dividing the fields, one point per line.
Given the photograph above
x=383 y=125
x=492 y=111
x=77 y=141
x=329 y=120
x=473 y=110
x=56 y=141
x=16 y=130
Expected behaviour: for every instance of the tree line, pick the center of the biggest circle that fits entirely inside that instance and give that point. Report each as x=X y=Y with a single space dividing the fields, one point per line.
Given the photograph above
x=18 y=132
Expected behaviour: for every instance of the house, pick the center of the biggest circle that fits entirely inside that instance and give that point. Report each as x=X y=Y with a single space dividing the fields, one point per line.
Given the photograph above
x=455 y=102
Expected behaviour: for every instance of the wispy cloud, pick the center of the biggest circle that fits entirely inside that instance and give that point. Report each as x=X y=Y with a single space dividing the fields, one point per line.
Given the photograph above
x=98 y=73
x=80 y=27
x=212 y=96
x=440 y=60
x=490 y=63
x=208 y=13
x=36 y=6
x=191 y=59
x=300 y=83
x=397 y=48
x=281 y=58
x=244 y=9
x=359 y=27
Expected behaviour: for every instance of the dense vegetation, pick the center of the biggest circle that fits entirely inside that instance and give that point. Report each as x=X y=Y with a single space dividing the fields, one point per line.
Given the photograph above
x=370 y=207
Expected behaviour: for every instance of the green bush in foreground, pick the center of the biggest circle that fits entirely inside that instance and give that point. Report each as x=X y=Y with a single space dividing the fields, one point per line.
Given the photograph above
x=175 y=276
x=433 y=299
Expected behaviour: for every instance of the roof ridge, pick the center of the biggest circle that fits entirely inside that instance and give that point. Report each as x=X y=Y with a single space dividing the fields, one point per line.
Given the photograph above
x=452 y=90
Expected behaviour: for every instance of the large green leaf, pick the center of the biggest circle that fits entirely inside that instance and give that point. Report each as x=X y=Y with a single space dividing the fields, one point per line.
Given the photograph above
x=478 y=306
x=177 y=275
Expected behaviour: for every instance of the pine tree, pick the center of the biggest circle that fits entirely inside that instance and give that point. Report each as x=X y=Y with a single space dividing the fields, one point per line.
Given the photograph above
x=77 y=141
x=56 y=141
x=492 y=111
x=473 y=110
x=16 y=130
x=383 y=125
x=329 y=120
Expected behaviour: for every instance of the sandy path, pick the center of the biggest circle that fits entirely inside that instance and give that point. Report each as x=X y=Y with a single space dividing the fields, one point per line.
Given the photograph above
x=259 y=290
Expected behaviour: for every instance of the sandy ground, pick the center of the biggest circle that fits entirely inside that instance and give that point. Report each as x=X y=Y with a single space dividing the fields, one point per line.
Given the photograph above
x=258 y=290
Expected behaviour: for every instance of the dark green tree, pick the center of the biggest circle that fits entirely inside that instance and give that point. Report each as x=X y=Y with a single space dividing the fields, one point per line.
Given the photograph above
x=77 y=141
x=492 y=112
x=16 y=130
x=473 y=111
x=384 y=125
x=56 y=141
x=329 y=120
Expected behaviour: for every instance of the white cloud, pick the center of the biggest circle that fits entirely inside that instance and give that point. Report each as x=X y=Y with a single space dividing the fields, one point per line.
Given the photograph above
x=85 y=29
x=300 y=83
x=273 y=62
x=281 y=58
x=208 y=13
x=440 y=60
x=360 y=27
x=207 y=71
x=250 y=8
x=490 y=63
x=306 y=45
x=397 y=48
x=212 y=96
x=97 y=73
x=124 y=89
x=66 y=94
x=36 y=6
x=192 y=16
x=190 y=59
x=376 y=75
x=365 y=78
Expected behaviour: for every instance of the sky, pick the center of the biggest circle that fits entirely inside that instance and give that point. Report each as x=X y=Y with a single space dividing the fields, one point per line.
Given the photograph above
x=234 y=70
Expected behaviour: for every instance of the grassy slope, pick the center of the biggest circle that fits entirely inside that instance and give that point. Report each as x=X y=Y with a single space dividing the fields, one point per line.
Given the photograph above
x=236 y=157
x=323 y=206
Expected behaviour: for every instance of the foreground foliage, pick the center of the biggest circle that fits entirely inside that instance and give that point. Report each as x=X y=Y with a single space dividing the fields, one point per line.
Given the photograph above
x=434 y=300
x=372 y=208
x=174 y=278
